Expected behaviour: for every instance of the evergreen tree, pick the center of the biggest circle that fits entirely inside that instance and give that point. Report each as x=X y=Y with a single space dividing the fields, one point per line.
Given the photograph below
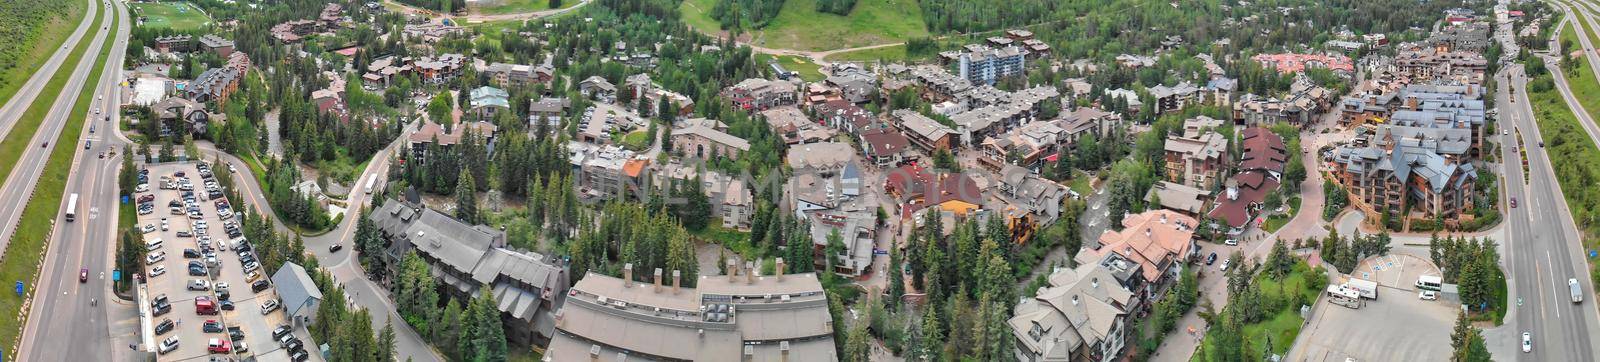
x=386 y=342
x=1467 y=342
x=858 y=346
x=466 y=198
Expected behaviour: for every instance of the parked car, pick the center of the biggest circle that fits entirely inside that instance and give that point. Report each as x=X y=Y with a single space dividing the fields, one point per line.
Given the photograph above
x=169 y=345
x=158 y=270
x=269 y=306
x=258 y=286
x=165 y=326
x=282 y=330
x=212 y=326
x=199 y=284
x=1225 y=263
x=218 y=345
x=1211 y=258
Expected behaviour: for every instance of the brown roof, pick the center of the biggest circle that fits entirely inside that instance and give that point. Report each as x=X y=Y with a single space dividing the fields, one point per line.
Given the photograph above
x=885 y=141
x=1244 y=189
x=1263 y=150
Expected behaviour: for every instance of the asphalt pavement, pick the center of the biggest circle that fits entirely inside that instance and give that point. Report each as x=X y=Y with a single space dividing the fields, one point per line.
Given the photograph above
x=63 y=325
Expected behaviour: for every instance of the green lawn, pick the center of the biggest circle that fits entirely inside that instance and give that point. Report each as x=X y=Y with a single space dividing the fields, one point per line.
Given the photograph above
x=800 y=26
x=21 y=261
x=1282 y=327
x=809 y=71
x=636 y=140
x=523 y=6
x=179 y=16
x=1080 y=183
x=39 y=48
x=714 y=233
x=889 y=53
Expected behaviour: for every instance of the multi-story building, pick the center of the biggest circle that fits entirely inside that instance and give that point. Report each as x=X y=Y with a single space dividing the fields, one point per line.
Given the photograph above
x=517 y=75
x=604 y=172
x=487 y=101
x=757 y=94
x=1427 y=171
x=924 y=132
x=1175 y=98
x=1081 y=315
x=174 y=43
x=707 y=143
x=1261 y=163
x=982 y=64
x=738 y=317
x=1430 y=64
x=1150 y=250
x=1198 y=157
x=472 y=259
x=431 y=134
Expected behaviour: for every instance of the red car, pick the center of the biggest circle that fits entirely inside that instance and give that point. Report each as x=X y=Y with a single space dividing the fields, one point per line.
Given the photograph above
x=1513 y=202
x=83 y=275
x=218 y=345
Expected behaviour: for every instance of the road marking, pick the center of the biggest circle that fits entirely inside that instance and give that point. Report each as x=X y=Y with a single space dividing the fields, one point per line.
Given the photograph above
x=1551 y=261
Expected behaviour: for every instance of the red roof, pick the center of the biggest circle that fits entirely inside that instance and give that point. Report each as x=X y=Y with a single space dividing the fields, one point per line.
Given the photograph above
x=885 y=142
x=912 y=182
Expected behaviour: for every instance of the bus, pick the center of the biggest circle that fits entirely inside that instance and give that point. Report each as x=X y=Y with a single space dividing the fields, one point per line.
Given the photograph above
x=72 y=207
x=372 y=182
x=1429 y=282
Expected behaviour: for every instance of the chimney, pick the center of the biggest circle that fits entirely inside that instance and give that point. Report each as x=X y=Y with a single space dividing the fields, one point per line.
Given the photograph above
x=784 y=346
x=1163 y=218
x=779 y=269
x=658 y=280
x=733 y=270
x=676 y=281
x=1146 y=231
x=749 y=272
x=627 y=275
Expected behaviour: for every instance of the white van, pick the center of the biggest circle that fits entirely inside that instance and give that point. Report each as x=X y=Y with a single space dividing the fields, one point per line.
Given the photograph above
x=152 y=245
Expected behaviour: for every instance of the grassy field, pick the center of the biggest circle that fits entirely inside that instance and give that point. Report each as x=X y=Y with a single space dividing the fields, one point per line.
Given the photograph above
x=21 y=261
x=523 y=6
x=1284 y=325
x=809 y=71
x=800 y=26
x=39 y=48
x=179 y=16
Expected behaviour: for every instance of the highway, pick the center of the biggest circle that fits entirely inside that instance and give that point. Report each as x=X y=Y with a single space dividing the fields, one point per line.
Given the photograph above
x=18 y=104
x=1543 y=249
x=63 y=326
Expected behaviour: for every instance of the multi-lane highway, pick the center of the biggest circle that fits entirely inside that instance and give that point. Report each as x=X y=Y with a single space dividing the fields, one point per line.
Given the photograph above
x=18 y=104
x=1543 y=249
x=63 y=325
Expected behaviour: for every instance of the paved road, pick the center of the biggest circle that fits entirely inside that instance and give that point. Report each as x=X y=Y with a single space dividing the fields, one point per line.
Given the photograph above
x=19 y=102
x=1544 y=244
x=63 y=325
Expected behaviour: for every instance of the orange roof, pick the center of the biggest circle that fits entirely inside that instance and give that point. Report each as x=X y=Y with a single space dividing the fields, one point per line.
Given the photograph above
x=634 y=166
x=1152 y=239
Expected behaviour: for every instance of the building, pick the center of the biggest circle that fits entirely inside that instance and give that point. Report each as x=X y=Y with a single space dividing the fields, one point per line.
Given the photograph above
x=884 y=147
x=756 y=94
x=827 y=158
x=292 y=31
x=488 y=101
x=190 y=115
x=1179 y=197
x=730 y=198
x=1175 y=98
x=1081 y=315
x=601 y=120
x=174 y=43
x=739 y=317
x=924 y=132
x=297 y=293
x=517 y=75
x=548 y=110
x=1261 y=162
x=917 y=188
x=432 y=134
x=216 y=84
x=603 y=172
x=853 y=84
x=1427 y=171
x=982 y=64
x=213 y=43
x=990 y=111
x=846 y=117
x=1199 y=156
x=795 y=128
x=1297 y=63
x=440 y=69
x=1154 y=244
x=706 y=143
x=1028 y=193
x=598 y=89
x=1431 y=64
x=472 y=259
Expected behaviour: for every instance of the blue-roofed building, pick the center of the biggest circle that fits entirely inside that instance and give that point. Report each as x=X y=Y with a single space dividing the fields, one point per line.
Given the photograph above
x=297 y=292
x=486 y=101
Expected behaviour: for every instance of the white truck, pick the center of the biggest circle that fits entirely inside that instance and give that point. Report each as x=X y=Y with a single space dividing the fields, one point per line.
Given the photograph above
x=1577 y=290
x=1367 y=288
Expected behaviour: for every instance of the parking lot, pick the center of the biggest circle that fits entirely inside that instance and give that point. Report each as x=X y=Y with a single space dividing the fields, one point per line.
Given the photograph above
x=1398 y=326
x=197 y=259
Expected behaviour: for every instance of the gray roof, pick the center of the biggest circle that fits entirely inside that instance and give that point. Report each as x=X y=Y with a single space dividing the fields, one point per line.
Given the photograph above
x=295 y=288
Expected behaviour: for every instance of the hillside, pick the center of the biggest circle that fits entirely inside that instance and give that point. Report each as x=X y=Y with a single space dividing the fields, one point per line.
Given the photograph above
x=800 y=26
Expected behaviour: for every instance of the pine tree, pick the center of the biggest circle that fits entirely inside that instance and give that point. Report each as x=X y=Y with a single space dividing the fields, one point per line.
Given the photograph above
x=447 y=331
x=386 y=343
x=858 y=346
x=1467 y=342
x=932 y=344
x=466 y=198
